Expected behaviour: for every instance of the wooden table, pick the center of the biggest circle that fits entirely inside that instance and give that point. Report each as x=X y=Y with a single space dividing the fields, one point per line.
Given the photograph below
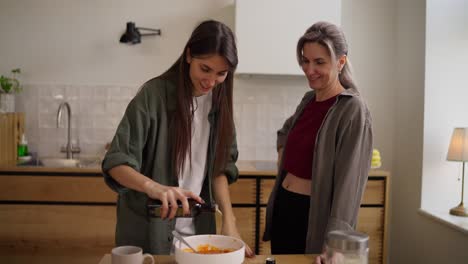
x=260 y=259
x=95 y=256
x=28 y=255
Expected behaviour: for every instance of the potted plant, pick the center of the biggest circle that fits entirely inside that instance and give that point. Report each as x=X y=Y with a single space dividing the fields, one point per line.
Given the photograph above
x=9 y=86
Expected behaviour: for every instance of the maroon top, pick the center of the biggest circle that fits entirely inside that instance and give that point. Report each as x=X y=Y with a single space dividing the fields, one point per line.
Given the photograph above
x=299 y=149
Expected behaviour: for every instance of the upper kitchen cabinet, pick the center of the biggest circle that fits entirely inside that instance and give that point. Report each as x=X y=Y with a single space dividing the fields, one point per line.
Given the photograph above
x=268 y=30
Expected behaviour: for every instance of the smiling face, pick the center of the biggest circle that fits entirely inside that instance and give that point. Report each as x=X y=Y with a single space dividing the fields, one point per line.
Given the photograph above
x=321 y=71
x=206 y=72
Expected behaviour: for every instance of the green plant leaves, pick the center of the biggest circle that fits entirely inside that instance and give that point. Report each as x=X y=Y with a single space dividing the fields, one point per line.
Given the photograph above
x=10 y=85
x=6 y=84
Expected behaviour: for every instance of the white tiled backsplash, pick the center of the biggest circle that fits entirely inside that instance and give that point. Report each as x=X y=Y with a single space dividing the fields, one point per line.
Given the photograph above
x=259 y=111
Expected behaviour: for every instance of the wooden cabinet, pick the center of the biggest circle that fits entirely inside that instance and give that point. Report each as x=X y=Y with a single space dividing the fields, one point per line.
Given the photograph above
x=371 y=219
x=244 y=191
x=246 y=221
x=56 y=188
x=371 y=222
x=46 y=210
x=45 y=226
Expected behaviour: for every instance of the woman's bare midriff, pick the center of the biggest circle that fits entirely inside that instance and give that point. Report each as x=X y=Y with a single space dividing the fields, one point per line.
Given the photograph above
x=295 y=184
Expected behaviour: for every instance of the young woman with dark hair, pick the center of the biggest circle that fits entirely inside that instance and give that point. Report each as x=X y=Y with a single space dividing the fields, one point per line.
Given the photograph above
x=177 y=141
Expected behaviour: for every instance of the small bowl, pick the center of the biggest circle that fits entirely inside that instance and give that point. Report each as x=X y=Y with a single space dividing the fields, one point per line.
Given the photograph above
x=219 y=241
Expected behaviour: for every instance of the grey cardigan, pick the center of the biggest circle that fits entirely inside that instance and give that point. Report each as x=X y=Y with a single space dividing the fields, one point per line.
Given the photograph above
x=340 y=168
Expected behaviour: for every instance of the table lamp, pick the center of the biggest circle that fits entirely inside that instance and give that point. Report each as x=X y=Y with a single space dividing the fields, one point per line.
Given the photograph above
x=458 y=151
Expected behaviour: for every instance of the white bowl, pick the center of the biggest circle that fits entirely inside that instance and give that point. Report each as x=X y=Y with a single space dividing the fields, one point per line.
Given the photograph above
x=219 y=241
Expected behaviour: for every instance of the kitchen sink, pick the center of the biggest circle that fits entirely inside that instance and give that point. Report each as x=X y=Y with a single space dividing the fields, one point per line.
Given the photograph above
x=60 y=162
x=84 y=162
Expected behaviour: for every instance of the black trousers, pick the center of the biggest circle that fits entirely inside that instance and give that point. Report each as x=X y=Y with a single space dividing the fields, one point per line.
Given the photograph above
x=290 y=221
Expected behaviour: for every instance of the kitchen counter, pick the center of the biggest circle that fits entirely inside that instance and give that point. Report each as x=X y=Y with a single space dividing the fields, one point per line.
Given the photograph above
x=257 y=168
x=246 y=167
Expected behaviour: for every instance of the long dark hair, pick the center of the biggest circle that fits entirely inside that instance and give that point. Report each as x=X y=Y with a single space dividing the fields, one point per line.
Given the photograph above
x=333 y=39
x=208 y=38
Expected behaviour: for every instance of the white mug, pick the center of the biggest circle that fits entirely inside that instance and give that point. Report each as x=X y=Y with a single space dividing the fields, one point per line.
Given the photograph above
x=129 y=255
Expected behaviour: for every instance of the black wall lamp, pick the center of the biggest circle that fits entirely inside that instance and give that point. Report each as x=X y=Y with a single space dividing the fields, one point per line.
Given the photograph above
x=133 y=36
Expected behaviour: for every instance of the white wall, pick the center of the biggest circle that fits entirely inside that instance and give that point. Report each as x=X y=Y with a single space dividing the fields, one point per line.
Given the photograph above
x=446 y=97
x=414 y=237
x=68 y=41
x=66 y=44
x=369 y=26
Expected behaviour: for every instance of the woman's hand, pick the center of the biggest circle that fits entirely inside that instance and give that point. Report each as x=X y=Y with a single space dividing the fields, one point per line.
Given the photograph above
x=320 y=259
x=229 y=229
x=169 y=195
x=336 y=258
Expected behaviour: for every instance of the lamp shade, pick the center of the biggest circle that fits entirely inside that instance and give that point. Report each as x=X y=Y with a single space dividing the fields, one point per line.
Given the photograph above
x=131 y=35
x=458 y=149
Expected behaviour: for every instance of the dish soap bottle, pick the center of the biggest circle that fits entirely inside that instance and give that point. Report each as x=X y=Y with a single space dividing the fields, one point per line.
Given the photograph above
x=195 y=208
x=23 y=147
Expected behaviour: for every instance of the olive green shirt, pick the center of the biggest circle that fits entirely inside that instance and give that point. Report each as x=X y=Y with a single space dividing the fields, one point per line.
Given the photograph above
x=142 y=142
x=342 y=156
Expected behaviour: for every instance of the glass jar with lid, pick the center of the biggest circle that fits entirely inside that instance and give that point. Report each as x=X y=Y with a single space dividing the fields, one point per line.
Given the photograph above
x=347 y=247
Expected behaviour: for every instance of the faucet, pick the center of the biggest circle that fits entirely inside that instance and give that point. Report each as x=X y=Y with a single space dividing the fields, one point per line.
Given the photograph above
x=69 y=149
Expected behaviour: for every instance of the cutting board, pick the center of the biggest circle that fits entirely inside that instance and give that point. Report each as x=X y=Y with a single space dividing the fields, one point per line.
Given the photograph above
x=11 y=129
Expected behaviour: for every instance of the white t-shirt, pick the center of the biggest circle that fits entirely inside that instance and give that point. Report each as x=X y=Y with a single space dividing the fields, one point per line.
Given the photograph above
x=192 y=179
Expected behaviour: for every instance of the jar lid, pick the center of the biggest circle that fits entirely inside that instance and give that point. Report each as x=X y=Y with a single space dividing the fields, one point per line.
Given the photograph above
x=347 y=240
